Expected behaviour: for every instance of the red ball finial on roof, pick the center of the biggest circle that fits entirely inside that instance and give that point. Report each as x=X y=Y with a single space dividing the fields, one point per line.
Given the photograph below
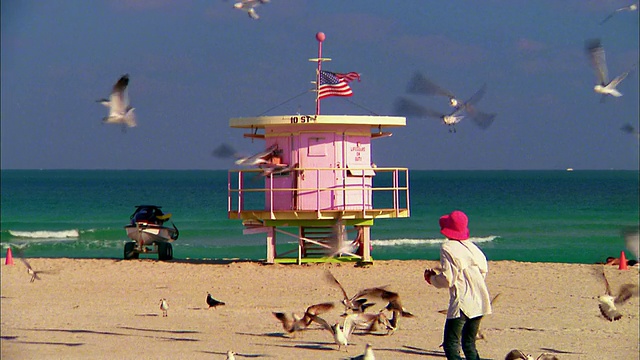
x=320 y=36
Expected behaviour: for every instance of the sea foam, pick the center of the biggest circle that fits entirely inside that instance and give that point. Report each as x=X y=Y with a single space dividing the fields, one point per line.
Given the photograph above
x=413 y=242
x=45 y=234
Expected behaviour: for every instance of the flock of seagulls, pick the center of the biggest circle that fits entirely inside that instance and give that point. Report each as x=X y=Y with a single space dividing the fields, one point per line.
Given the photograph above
x=361 y=301
x=603 y=85
x=354 y=316
x=421 y=85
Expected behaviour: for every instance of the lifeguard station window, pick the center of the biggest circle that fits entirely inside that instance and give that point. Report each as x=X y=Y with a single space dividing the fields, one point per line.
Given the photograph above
x=316 y=147
x=360 y=172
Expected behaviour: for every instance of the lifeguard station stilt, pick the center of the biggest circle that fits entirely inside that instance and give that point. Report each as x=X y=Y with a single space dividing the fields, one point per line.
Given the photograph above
x=318 y=183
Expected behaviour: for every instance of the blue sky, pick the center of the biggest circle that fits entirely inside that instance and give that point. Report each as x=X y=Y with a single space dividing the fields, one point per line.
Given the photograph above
x=194 y=64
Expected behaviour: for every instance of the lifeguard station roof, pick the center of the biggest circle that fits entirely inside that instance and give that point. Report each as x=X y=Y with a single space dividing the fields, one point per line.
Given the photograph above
x=262 y=121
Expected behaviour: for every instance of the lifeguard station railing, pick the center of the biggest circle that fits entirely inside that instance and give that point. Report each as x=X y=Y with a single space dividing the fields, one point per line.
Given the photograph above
x=381 y=193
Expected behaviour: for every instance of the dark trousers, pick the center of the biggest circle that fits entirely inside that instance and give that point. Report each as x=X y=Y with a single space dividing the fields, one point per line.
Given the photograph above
x=461 y=330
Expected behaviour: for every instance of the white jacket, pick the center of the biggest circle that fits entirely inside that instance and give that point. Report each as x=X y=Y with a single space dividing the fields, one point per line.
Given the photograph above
x=464 y=268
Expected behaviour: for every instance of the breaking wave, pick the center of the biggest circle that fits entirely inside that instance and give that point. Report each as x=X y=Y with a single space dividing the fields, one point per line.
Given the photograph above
x=414 y=242
x=45 y=234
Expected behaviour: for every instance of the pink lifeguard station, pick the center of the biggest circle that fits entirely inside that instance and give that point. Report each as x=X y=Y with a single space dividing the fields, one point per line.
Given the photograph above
x=325 y=184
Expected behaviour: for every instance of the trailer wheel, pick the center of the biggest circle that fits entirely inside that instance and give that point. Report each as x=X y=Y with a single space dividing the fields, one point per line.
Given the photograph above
x=165 y=251
x=130 y=251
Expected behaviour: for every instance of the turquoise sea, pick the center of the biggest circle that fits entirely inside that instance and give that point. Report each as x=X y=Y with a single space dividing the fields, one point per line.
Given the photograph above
x=537 y=216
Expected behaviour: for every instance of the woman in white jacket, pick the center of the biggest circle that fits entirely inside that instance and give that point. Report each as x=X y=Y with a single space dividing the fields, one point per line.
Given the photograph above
x=464 y=268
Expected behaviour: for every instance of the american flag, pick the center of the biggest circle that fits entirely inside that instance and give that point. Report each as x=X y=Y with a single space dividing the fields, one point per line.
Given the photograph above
x=335 y=84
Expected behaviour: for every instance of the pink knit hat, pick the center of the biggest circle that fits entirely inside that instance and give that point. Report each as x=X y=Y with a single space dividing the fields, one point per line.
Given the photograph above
x=455 y=225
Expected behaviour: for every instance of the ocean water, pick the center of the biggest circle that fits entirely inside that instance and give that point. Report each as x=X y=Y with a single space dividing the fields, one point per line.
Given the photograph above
x=537 y=216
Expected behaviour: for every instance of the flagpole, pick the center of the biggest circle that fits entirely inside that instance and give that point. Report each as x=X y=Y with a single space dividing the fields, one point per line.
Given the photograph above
x=320 y=37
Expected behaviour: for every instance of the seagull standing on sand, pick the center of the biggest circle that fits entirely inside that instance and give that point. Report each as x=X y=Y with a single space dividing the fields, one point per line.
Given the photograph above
x=367 y=355
x=250 y=7
x=340 y=334
x=164 y=306
x=605 y=87
x=630 y=8
x=607 y=303
x=231 y=355
x=213 y=303
x=120 y=112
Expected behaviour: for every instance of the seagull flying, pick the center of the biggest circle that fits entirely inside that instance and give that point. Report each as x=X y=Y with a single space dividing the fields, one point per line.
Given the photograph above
x=421 y=85
x=407 y=107
x=120 y=112
x=598 y=61
x=632 y=242
x=349 y=303
x=224 y=151
x=394 y=305
x=369 y=322
x=607 y=303
x=630 y=8
x=33 y=273
x=276 y=169
x=30 y=271
x=629 y=129
x=296 y=323
x=213 y=303
x=164 y=306
x=250 y=7
x=262 y=159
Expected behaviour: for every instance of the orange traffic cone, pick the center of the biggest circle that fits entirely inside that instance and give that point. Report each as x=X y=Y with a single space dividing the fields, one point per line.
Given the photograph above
x=9 y=260
x=623 y=261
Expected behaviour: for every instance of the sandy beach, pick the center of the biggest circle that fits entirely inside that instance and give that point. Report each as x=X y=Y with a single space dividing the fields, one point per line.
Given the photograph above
x=109 y=309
